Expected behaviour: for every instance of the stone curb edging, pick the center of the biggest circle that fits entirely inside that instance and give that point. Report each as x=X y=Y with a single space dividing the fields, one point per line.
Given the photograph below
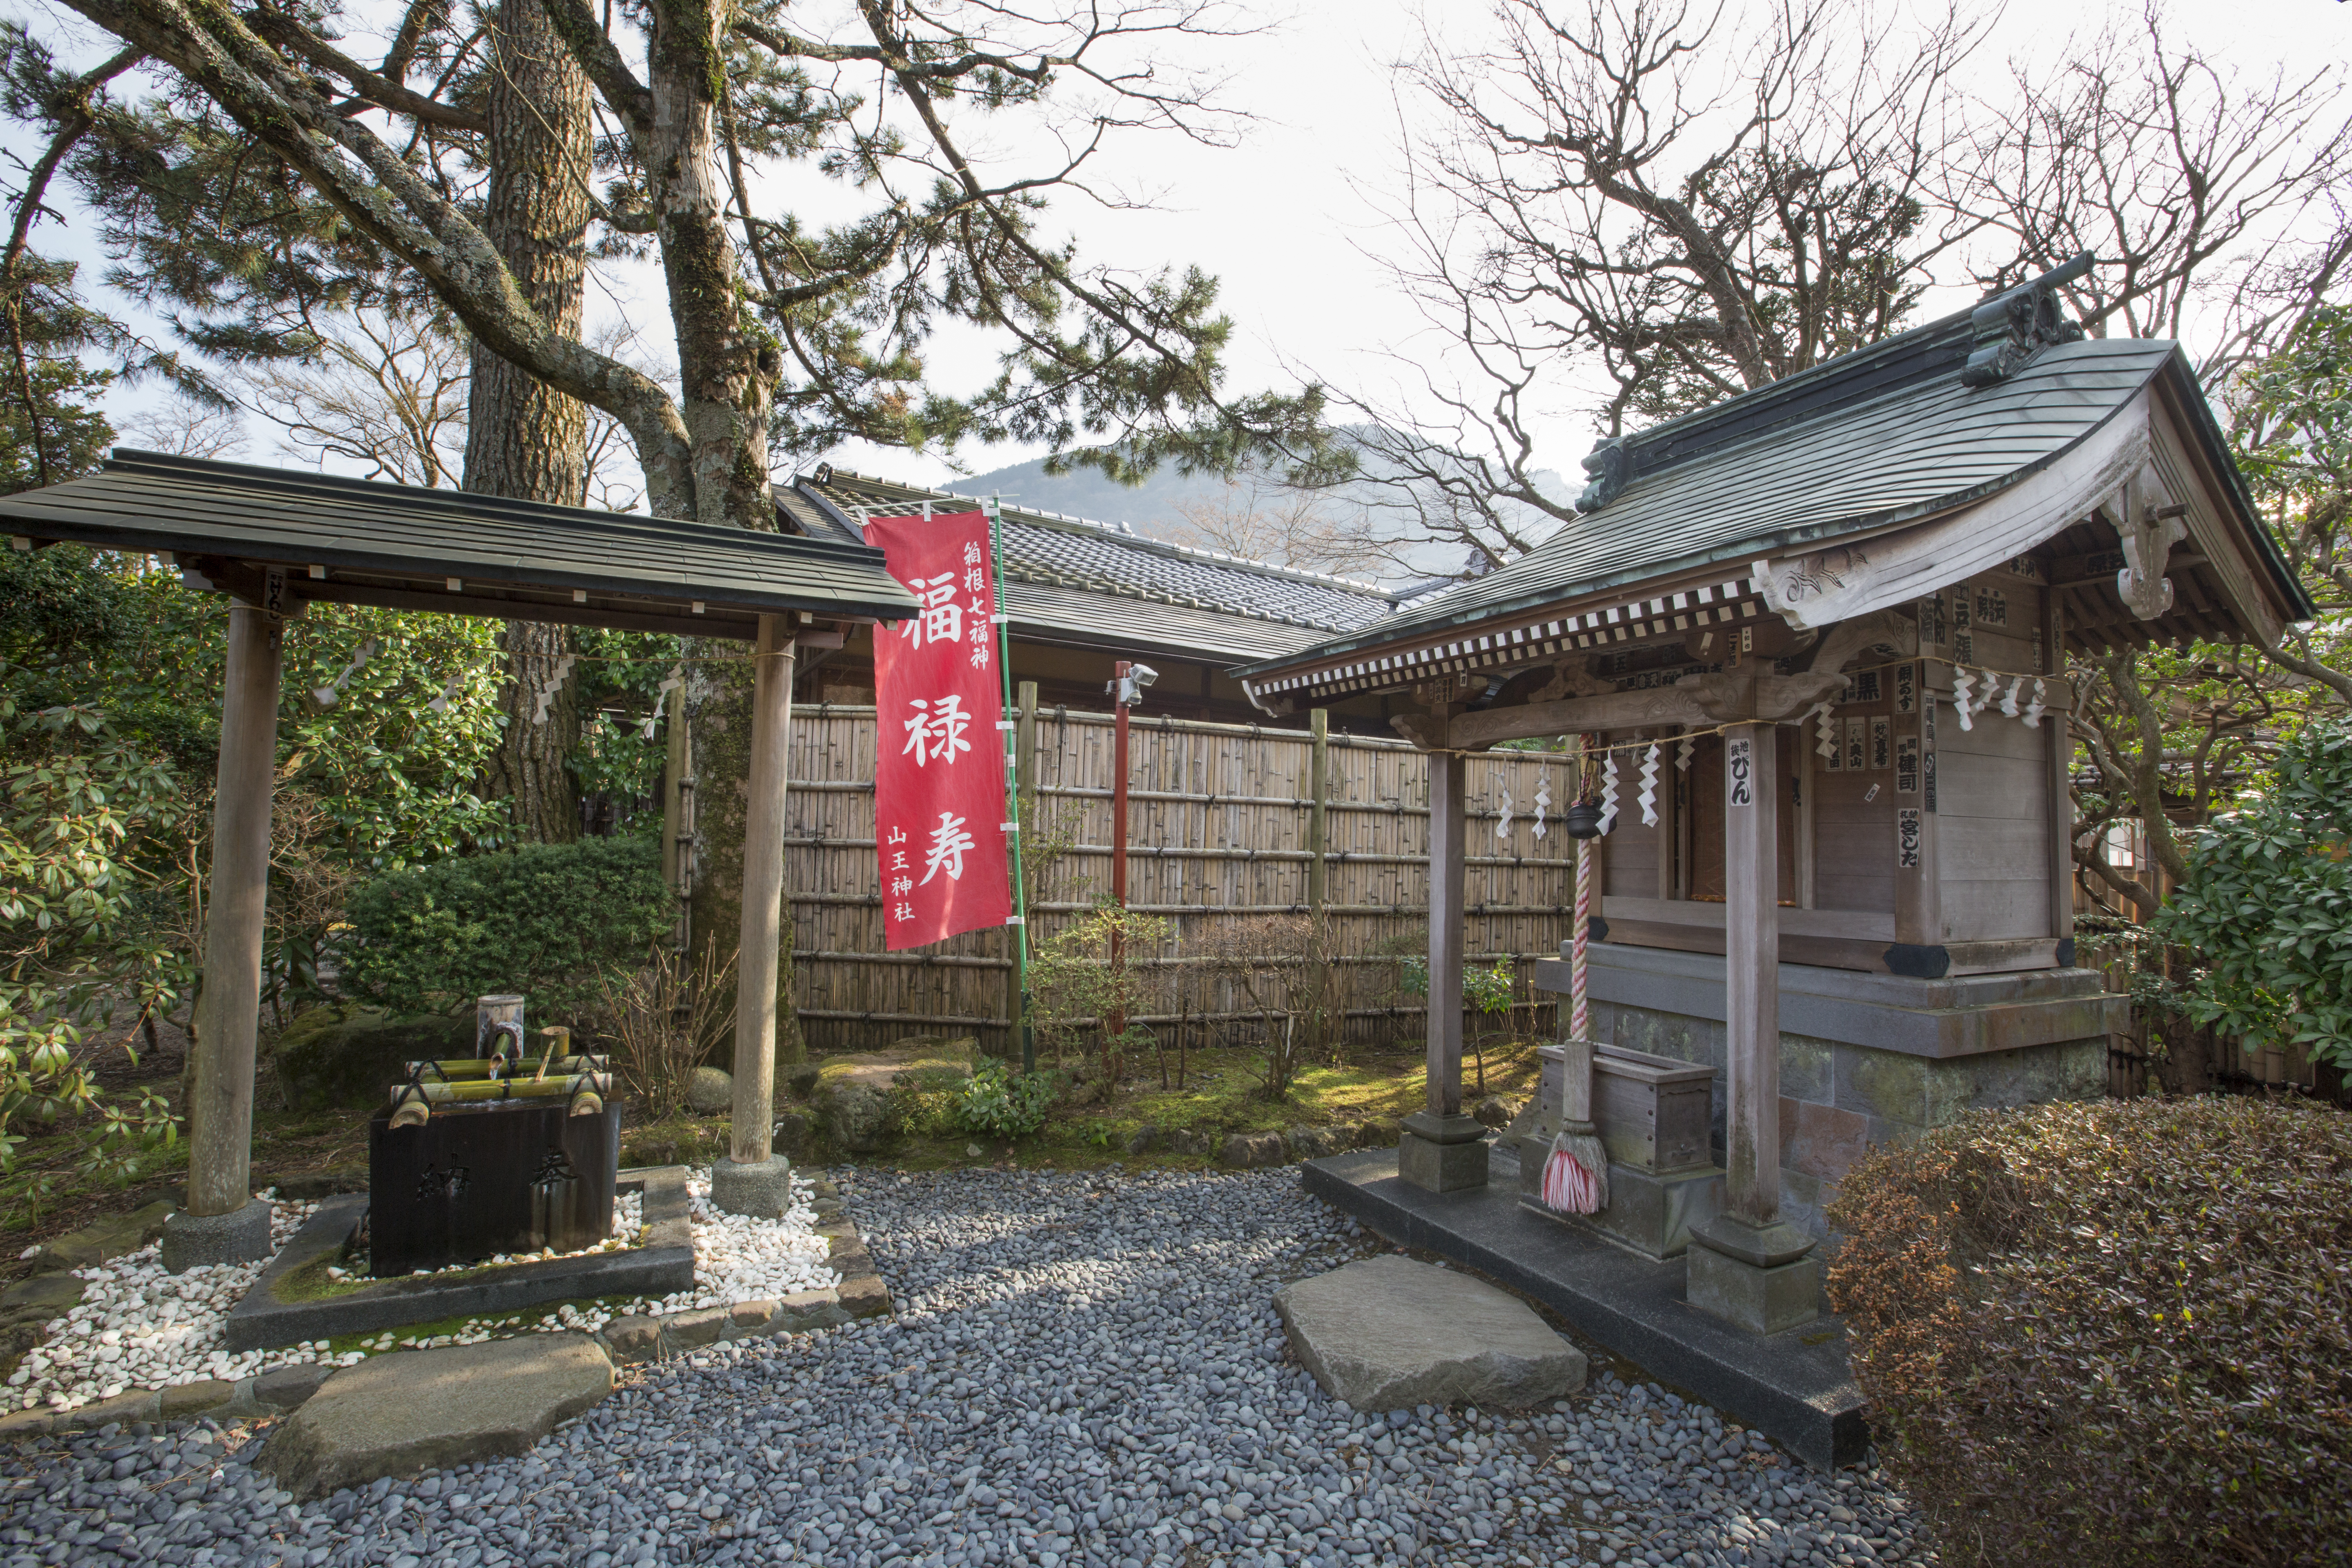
x=1265 y=1150
x=662 y=1265
x=629 y=1341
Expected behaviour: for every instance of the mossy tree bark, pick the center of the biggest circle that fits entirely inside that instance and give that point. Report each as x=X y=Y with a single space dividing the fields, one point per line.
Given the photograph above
x=524 y=439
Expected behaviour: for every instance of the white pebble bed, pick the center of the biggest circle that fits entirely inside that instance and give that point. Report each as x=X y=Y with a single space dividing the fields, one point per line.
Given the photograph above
x=735 y=1260
x=139 y=1326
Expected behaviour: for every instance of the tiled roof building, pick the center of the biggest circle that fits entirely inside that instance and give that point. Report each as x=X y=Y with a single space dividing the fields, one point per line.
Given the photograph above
x=1082 y=594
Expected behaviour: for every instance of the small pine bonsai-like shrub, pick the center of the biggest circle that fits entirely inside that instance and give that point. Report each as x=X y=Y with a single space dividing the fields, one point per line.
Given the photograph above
x=2114 y=1332
x=554 y=922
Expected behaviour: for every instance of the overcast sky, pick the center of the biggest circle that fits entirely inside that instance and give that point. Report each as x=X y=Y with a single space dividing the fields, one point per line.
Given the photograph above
x=1284 y=223
x=1282 y=220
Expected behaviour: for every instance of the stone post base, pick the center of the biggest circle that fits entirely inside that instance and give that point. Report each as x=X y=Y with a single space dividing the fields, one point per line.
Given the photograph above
x=1762 y=1279
x=1442 y=1153
x=194 y=1240
x=763 y=1191
x=1650 y=1213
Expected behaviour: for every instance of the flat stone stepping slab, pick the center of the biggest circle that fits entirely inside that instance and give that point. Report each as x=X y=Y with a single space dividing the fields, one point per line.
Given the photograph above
x=272 y=1313
x=1388 y=1333
x=399 y=1416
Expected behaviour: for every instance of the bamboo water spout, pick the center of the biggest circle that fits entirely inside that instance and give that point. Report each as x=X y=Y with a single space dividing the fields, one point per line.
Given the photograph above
x=459 y=1070
x=413 y=1101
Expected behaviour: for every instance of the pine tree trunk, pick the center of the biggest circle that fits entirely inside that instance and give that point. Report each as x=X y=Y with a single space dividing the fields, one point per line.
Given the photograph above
x=523 y=440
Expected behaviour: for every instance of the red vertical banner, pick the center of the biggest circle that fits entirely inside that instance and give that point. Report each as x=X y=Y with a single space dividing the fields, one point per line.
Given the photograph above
x=938 y=759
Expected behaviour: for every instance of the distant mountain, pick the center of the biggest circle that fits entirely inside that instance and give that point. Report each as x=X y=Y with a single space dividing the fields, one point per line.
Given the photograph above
x=1154 y=509
x=1149 y=508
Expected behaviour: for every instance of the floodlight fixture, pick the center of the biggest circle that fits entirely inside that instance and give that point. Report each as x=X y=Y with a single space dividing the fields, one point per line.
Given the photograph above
x=1127 y=688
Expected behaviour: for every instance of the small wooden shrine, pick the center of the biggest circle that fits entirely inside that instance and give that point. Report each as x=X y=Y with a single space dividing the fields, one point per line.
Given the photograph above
x=1822 y=629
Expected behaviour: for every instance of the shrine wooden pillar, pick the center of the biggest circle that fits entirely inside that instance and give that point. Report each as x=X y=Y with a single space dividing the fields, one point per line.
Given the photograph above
x=1751 y=974
x=1443 y=1150
x=1748 y=1265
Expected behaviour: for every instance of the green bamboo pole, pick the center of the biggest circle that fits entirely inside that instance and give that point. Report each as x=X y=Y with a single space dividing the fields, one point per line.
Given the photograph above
x=459 y=1069
x=485 y=1091
x=1012 y=789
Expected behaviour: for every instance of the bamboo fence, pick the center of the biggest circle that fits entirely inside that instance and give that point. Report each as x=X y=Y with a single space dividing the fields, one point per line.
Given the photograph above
x=1222 y=827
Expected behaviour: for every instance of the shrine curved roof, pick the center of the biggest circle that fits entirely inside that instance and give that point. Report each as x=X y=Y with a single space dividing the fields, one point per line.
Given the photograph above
x=1888 y=434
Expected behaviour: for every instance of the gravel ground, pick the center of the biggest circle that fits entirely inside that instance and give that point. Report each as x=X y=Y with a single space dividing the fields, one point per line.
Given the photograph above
x=1085 y=1370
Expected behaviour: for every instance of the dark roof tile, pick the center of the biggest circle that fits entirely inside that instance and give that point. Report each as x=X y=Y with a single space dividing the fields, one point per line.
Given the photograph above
x=1104 y=582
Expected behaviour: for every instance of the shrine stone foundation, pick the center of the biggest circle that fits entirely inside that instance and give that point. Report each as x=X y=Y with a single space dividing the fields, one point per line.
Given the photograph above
x=1864 y=1059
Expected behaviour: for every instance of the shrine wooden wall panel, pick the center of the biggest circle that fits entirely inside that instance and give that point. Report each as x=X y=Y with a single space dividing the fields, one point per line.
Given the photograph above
x=1629 y=859
x=1992 y=850
x=1854 y=815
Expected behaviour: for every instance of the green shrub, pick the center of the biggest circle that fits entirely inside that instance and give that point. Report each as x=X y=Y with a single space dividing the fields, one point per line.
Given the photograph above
x=550 y=920
x=2112 y=1332
x=1489 y=990
x=1001 y=1103
x=2267 y=908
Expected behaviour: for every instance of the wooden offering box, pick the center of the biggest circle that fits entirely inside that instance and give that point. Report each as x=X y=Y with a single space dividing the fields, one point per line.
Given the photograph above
x=1653 y=1114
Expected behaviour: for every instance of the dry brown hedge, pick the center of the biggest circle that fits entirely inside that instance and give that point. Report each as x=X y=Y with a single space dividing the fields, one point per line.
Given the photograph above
x=2118 y=1333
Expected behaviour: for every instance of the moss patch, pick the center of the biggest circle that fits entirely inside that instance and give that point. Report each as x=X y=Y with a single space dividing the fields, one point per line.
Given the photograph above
x=923 y=1062
x=510 y=1322
x=1221 y=1095
x=685 y=1138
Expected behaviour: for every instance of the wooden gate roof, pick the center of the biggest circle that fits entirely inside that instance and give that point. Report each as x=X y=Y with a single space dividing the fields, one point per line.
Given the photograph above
x=232 y=525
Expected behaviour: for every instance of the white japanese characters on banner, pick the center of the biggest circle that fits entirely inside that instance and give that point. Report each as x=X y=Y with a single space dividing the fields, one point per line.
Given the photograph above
x=939 y=780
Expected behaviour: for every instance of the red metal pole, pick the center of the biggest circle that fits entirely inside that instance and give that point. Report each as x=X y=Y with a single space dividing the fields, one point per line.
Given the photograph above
x=1119 y=801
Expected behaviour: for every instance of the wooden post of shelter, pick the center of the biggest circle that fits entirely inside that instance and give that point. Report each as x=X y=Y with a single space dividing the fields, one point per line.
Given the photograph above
x=1748 y=1265
x=1443 y=1150
x=753 y=1179
x=224 y=1222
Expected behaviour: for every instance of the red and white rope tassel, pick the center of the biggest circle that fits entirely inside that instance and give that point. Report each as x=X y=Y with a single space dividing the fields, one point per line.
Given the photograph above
x=1580 y=1015
x=1576 y=1177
